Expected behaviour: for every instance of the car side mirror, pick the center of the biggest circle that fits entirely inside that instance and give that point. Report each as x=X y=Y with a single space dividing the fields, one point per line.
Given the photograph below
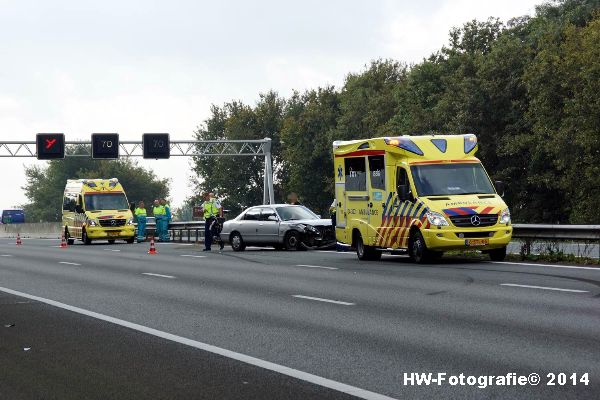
x=272 y=218
x=500 y=187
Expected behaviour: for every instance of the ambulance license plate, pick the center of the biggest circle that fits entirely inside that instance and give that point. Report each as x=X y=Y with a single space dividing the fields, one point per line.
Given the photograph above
x=114 y=233
x=477 y=242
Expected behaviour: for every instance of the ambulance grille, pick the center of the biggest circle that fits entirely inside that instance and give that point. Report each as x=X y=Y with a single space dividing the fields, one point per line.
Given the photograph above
x=464 y=221
x=112 y=223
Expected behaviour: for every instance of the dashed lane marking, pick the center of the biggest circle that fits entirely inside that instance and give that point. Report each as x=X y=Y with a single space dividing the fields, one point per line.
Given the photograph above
x=343 y=303
x=544 y=288
x=158 y=275
x=314 y=266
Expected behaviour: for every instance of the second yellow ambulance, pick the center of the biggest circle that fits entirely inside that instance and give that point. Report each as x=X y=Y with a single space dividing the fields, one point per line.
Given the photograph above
x=424 y=194
x=96 y=209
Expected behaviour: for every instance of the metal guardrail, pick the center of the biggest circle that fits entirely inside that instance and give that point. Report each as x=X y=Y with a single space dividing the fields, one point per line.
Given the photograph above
x=194 y=231
x=531 y=232
x=556 y=232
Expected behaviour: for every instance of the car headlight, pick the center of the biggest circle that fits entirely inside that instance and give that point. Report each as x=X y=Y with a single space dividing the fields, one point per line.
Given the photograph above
x=91 y=222
x=505 y=216
x=130 y=222
x=436 y=219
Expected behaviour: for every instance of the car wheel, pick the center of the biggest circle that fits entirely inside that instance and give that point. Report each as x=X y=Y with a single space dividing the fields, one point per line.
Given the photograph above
x=498 y=254
x=366 y=253
x=85 y=238
x=68 y=238
x=417 y=249
x=292 y=241
x=237 y=243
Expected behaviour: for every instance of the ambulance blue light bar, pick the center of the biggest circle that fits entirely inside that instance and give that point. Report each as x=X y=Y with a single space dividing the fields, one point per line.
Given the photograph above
x=404 y=144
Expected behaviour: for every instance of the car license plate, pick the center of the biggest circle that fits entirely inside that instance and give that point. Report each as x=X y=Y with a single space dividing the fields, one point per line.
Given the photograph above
x=114 y=233
x=477 y=242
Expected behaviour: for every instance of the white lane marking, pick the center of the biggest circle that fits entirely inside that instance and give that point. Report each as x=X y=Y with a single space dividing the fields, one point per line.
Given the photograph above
x=111 y=250
x=299 y=296
x=294 y=373
x=6 y=255
x=314 y=266
x=545 y=265
x=191 y=255
x=343 y=253
x=544 y=288
x=68 y=263
x=159 y=275
x=173 y=243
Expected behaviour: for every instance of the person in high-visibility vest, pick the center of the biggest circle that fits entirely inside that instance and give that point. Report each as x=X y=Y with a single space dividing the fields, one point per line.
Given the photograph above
x=159 y=215
x=211 y=208
x=140 y=214
x=166 y=220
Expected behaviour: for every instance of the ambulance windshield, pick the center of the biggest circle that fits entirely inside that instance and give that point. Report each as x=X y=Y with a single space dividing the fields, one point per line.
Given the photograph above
x=451 y=179
x=108 y=201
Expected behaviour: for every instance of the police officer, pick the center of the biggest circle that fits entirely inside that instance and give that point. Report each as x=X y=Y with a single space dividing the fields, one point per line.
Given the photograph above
x=159 y=215
x=166 y=221
x=211 y=209
x=140 y=213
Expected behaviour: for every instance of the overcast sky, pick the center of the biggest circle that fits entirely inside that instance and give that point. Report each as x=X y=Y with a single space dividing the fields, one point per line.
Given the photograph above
x=131 y=67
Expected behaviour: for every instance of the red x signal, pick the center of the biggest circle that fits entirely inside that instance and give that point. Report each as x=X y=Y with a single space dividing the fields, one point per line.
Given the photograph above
x=50 y=143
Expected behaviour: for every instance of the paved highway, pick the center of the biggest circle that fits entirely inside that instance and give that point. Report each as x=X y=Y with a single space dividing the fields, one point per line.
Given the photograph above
x=112 y=321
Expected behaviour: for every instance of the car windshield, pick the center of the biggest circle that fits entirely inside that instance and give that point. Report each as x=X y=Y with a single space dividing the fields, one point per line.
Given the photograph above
x=451 y=179
x=112 y=201
x=292 y=213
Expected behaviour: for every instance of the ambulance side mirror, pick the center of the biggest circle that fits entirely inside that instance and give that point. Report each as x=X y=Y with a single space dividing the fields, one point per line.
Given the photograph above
x=500 y=187
x=79 y=209
x=404 y=192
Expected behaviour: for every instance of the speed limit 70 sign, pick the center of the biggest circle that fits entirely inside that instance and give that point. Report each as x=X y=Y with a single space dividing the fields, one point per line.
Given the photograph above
x=156 y=145
x=105 y=145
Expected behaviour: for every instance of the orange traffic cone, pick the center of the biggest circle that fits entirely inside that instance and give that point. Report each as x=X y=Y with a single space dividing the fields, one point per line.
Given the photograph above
x=63 y=242
x=19 y=240
x=152 y=248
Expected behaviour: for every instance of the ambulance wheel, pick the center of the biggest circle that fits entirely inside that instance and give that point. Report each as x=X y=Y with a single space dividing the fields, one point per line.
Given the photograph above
x=366 y=253
x=69 y=239
x=237 y=243
x=85 y=238
x=417 y=249
x=498 y=254
x=111 y=241
x=130 y=240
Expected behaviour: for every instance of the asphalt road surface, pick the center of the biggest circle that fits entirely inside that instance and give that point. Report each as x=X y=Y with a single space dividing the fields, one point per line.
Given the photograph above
x=111 y=321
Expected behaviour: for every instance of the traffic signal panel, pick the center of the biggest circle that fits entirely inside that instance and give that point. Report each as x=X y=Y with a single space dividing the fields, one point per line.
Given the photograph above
x=156 y=145
x=50 y=146
x=105 y=145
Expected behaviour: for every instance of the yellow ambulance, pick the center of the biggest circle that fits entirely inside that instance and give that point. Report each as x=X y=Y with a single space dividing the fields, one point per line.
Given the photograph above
x=423 y=194
x=96 y=209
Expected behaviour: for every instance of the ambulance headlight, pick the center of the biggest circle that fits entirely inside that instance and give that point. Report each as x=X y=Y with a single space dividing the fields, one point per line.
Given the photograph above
x=505 y=216
x=130 y=222
x=91 y=222
x=436 y=219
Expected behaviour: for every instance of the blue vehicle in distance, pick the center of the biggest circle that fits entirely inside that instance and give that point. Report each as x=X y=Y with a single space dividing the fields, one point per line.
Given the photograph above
x=13 y=216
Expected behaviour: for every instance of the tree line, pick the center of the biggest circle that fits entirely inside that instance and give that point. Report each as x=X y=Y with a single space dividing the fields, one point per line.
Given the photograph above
x=529 y=88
